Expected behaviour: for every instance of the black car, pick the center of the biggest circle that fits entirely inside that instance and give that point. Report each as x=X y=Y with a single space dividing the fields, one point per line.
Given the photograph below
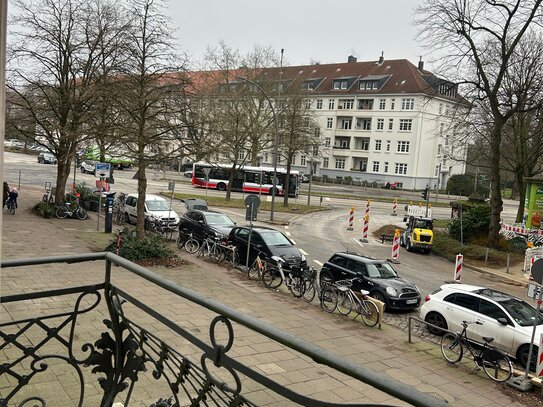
x=203 y=224
x=376 y=276
x=195 y=203
x=270 y=242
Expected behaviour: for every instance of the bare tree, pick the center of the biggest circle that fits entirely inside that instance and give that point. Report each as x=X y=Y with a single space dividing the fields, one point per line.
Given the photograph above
x=483 y=37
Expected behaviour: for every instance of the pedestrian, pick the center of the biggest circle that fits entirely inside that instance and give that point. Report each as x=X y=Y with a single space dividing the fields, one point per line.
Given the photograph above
x=13 y=196
x=6 y=193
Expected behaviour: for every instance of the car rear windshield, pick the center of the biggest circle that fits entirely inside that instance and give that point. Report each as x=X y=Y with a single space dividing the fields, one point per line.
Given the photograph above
x=157 y=206
x=275 y=239
x=522 y=312
x=380 y=270
x=219 y=219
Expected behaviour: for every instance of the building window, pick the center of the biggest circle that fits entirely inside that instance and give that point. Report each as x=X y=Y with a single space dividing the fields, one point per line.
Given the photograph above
x=293 y=162
x=369 y=85
x=327 y=142
x=440 y=108
x=365 y=145
x=405 y=124
x=378 y=145
x=315 y=151
x=388 y=145
x=340 y=84
x=439 y=149
x=308 y=104
x=392 y=103
x=363 y=124
x=344 y=143
x=382 y=104
x=331 y=104
x=390 y=124
x=310 y=86
x=340 y=163
x=329 y=122
x=408 y=104
x=317 y=132
x=376 y=166
x=386 y=166
x=319 y=103
x=441 y=128
x=447 y=140
x=365 y=104
x=436 y=172
x=345 y=104
x=380 y=124
x=266 y=157
x=403 y=147
x=346 y=124
x=325 y=161
x=302 y=161
x=400 y=168
x=305 y=121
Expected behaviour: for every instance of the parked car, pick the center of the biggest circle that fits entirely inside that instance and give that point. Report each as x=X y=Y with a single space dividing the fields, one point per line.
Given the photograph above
x=188 y=174
x=304 y=178
x=269 y=241
x=195 y=203
x=507 y=319
x=376 y=276
x=88 y=166
x=155 y=206
x=204 y=223
x=46 y=158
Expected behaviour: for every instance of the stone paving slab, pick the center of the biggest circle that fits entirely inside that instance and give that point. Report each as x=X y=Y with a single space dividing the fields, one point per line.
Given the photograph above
x=386 y=350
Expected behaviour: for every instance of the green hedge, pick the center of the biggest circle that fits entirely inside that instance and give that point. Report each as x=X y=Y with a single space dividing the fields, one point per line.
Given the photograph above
x=150 y=247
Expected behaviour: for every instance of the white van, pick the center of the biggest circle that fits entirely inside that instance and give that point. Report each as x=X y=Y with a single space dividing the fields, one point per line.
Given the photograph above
x=155 y=206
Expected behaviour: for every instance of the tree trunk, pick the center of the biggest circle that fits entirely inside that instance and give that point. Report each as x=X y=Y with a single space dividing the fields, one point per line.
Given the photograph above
x=514 y=189
x=63 y=171
x=286 y=183
x=519 y=180
x=142 y=189
x=496 y=202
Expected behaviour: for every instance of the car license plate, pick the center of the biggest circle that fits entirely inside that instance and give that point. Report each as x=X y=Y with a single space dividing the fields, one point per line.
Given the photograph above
x=411 y=301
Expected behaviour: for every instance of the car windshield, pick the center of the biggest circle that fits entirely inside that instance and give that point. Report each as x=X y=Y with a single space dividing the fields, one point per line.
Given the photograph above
x=381 y=270
x=157 y=205
x=219 y=219
x=275 y=239
x=522 y=312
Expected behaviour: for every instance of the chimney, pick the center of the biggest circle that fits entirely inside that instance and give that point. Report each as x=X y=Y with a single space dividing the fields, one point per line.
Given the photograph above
x=351 y=59
x=421 y=64
x=382 y=57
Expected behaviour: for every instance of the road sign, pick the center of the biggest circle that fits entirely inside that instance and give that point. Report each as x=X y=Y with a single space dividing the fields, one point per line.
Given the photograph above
x=537 y=271
x=102 y=169
x=533 y=291
x=252 y=200
x=207 y=171
x=171 y=186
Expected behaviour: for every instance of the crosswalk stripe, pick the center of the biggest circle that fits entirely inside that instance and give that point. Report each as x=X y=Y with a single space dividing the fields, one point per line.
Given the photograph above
x=318 y=263
x=303 y=252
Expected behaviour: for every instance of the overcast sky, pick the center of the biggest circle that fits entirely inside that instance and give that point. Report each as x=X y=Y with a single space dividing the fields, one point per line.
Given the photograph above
x=327 y=31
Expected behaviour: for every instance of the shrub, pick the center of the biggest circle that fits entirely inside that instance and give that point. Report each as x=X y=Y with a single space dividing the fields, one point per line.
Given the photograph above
x=460 y=184
x=348 y=178
x=44 y=209
x=475 y=223
x=150 y=247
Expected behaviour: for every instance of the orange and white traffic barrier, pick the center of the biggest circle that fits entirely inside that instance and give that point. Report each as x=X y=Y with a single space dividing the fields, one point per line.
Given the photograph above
x=367 y=213
x=351 y=219
x=365 y=229
x=396 y=246
x=394 y=207
x=458 y=268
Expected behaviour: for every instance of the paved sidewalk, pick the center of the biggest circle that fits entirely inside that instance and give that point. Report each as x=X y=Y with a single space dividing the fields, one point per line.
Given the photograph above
x=385 y=351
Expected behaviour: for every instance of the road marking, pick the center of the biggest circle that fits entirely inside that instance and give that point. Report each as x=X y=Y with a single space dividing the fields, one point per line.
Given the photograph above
x=287 y=233
x=303 y=252
x=318 y=263
x=358 y=241
x=286 y=226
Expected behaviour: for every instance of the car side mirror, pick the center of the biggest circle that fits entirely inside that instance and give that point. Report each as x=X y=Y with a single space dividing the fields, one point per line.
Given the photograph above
x=503 y=321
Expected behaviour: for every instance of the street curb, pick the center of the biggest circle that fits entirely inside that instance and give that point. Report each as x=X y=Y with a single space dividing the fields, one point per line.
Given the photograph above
x=505 y=278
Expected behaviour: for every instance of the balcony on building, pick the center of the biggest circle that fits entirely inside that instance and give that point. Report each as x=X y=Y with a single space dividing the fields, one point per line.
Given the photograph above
x=342 y=143
x=364 y=104
x=344 y=123
x=361 y=144
x=363 y=124
x=360 y=164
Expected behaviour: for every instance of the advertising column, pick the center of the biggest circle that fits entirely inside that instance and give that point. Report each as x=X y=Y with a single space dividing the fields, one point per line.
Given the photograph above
x=533 y=206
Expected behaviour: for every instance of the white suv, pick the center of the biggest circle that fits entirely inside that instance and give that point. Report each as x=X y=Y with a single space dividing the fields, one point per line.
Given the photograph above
x=507 y=319
x=155 y=206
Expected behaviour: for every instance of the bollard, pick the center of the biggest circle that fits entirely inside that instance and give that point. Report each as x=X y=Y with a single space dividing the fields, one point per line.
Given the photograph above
x=351 y=219
x=394 y=206
x=458 y=268
x=367 y=213
x=396 y=247
x=118 y=244
x=365 y=229
x=508 y=259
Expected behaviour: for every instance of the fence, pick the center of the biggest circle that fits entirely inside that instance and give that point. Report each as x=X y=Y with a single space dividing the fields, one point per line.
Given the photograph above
x=129 y=347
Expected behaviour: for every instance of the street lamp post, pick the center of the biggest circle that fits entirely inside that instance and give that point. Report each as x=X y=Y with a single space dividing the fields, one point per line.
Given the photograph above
x=275 y=147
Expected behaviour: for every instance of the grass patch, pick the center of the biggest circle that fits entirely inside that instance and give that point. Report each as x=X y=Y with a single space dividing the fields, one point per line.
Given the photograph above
x=294 y=207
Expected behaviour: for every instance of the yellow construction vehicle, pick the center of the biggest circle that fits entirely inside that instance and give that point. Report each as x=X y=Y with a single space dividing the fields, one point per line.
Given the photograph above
x=419 y=234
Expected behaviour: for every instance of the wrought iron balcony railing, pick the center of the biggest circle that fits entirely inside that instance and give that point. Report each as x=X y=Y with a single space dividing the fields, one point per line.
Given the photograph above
x=199 y=373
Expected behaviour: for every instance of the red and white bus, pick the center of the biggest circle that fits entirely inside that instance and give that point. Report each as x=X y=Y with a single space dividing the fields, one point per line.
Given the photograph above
x=246 y=178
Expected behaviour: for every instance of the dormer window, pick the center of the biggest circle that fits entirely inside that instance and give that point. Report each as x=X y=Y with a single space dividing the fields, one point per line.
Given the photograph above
x=369 y=85
x=341 y=84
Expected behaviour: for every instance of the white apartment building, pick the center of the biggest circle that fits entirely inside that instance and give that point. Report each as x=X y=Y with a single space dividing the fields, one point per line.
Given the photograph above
x=381 y=121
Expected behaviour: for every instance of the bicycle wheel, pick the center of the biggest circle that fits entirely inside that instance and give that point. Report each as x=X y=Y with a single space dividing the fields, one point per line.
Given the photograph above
x=496 y=365
x=344 y=303
x=167 y=233
x=192 y=246
x=329 y=299
x=309 y=290
x=61 y=212
x=452 y=348
x=270 y=277
x=234 y=258
x=296 y=286
x=181 y=240
x=253 y=272
x=369 y=313
x=82 y=214
x=215 y=253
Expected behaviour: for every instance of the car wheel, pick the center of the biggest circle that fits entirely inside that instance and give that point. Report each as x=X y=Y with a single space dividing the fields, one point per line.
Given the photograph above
x=435 y=318
x=402 y=240
x=221 y=186
x=378 y=295
x=83 y=170
x=522 y=356
x=408 y=246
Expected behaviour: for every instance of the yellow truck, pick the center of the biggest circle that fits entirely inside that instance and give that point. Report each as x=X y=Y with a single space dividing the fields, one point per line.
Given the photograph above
x=419 y=234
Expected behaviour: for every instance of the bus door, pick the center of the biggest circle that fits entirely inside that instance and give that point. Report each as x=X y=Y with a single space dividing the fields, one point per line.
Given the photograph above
x=237 y=182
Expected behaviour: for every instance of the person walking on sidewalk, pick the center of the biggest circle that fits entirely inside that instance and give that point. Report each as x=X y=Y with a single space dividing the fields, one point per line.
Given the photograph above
x=12 y=198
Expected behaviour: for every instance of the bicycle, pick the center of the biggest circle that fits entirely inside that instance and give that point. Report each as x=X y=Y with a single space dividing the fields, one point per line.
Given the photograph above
x=191 y=245
x=157 y=226
x=230 y=253
x=118 y=209
x=312 y=286
x=495 y=364
x=66 y=210
x=274 y=276
x=340 y=296
x=10 y=206
x=210 y=247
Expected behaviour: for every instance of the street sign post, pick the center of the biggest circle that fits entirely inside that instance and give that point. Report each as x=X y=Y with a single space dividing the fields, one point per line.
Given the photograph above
x=533 y=291
x=102 y=170
x=206 y=172
x=252 y=202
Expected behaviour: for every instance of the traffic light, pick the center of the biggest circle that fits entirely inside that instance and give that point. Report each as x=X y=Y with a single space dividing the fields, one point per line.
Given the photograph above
x=424 y=194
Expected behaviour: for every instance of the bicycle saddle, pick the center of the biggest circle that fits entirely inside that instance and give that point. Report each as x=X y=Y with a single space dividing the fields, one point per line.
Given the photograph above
x=343 y=288
x=364 y=292
x=488 y=339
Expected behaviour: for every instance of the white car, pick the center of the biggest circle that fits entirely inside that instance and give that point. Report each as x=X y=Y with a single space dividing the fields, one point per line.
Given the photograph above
x=88 y=166
x=507 y=319
x=155 y=206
